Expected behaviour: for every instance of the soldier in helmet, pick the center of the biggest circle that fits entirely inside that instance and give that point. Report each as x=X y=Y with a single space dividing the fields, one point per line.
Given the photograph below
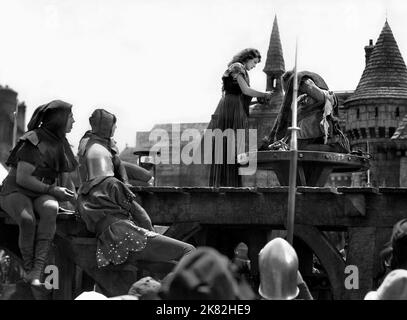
x=103 y=125
x=241 y=259
x=109 y=208
x=279 y=275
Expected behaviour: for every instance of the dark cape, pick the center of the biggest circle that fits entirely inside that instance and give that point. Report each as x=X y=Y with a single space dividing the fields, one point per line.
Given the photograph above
x=56 y=152
x=44 y=146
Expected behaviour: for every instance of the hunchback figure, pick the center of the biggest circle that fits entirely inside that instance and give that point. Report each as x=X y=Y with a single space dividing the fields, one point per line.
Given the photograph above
x=317 y=116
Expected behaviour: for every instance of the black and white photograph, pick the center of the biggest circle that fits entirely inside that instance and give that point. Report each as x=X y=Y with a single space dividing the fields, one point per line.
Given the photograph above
x=203 y=155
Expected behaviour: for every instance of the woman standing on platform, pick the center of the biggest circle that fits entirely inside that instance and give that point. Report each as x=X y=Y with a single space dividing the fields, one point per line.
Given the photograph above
x=30 y=193
x=232 y=113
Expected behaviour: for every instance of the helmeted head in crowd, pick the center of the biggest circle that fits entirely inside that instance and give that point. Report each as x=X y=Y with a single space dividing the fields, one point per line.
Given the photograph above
x=278 y=267
x=394 y=287
x=204 y=274
x=241 y=251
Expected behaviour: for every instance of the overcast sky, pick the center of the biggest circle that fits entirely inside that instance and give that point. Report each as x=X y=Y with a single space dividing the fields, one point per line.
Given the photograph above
x=156 y=61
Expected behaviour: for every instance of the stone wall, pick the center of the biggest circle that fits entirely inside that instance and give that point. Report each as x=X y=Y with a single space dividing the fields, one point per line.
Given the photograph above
x=8 y=103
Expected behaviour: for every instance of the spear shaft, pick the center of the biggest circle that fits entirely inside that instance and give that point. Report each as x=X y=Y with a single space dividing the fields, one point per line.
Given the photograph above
x=15 y=125
x=292 y=189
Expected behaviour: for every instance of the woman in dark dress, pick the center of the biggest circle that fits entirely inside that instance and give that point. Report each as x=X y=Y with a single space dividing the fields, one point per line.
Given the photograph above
x=40 y=161
x=232 y=113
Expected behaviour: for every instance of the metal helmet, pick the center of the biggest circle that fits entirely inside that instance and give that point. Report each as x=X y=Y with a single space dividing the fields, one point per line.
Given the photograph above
x=241 y=251
x=278 y=267
x=241 y=258
x=102 y=123
x=99 y=162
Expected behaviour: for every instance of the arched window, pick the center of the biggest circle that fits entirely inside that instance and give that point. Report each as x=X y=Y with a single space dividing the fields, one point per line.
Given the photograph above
x=397 y=113
x=376 y=112
x=274 y=83
x=357 y=113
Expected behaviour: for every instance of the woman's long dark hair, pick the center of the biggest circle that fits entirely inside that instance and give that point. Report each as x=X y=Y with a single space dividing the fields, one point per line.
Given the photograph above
x=244 y=55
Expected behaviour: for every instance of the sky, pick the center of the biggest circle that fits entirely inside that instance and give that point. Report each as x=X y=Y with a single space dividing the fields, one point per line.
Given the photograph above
x=156 y=61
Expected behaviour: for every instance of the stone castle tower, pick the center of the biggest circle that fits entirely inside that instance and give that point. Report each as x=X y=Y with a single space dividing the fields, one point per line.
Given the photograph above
x=8 y=104
x=373 y=112
x=262 y=116
x=275 y=66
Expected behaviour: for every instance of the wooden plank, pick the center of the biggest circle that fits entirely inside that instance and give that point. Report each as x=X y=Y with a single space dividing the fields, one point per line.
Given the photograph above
x=361 y=254
x=66 y=268
x=183 y=231
x=358 y=190
x=114 y=280
x=315 y=206
x=282 y=189
x=327 y=254
x=393 y=190
x=317 y=190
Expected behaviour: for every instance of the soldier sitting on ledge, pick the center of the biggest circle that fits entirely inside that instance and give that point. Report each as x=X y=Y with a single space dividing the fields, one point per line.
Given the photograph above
x=32 y=191
x=317 y=116
x=103 y=125
x=123 y=228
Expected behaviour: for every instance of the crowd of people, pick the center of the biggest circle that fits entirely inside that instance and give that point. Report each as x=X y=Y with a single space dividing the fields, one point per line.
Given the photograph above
x=206 y=274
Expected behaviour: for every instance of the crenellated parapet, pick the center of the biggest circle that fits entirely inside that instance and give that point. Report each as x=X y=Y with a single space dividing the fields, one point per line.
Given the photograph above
x=373 y=118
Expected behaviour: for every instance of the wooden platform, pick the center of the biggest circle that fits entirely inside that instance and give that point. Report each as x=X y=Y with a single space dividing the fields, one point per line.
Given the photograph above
x=314 y=165
x=220 y=216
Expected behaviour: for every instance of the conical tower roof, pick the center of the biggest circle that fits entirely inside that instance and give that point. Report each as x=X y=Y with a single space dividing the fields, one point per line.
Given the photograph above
x=275 y=59
x=385 y=75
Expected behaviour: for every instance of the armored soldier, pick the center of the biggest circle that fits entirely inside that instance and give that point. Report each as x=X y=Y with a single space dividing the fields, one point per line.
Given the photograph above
x=109 y=208
x=103 y=125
